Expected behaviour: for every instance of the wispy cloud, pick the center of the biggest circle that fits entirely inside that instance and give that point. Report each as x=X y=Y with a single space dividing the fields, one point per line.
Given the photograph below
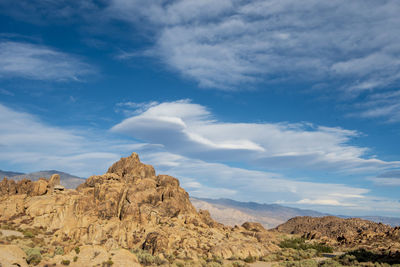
x=232 y=43
x=190 y=129
x=130 y=108
x=205 y=179
x=6 y=92
x=27 y=142
x=382 y=105
x=37 y=62
x=390 y=178
x=41 y=12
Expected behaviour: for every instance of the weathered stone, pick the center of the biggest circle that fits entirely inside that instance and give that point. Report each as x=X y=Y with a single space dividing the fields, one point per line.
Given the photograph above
x=12 y=256
x=127 y=207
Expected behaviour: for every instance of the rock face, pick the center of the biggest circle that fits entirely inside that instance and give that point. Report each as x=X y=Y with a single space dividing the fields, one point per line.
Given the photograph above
x=347 y=233
x=12 y=255
x=128 y=207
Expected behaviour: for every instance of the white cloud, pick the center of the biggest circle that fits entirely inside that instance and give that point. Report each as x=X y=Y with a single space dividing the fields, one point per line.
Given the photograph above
x=230 y=43
x=390 y=178
x=383 y=105
x=324 y=202
x=386 y=181
x=189 y=129
x=38 y=62
x=216 y=180
x=130 y=108
x=28 y=142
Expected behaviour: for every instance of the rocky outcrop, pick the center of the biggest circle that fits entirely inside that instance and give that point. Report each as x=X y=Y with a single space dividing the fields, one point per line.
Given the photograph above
x=346 y=233
x=128 y=207
x=12 y=255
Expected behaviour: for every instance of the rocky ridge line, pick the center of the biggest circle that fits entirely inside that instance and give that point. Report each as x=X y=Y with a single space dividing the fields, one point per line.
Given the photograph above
x=128 y=207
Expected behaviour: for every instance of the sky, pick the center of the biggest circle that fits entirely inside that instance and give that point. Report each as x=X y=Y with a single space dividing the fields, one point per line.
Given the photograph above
x=272 y=101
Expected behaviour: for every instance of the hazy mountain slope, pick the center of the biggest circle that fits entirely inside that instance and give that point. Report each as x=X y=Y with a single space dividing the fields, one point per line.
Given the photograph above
x=9 y=174
x=233 y=212
x=393 y=221
x=67 y=180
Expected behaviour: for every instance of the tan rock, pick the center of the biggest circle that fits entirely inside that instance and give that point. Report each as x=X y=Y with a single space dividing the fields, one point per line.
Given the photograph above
x=39 y=188
x=123 y=257
x=128 y=207
x=11 y=255
x=346 y=233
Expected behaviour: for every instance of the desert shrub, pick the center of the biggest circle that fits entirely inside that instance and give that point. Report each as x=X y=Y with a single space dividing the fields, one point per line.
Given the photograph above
x=108 y=263
x=368 y=258
x=77 y=250
x=65 y=262
x=33 y=256
x=216 y=259
x=302 y=263
x=59 y=251
x=250 y=259
x=75 y=258
x=239 y=264
x=330 y=263
x=290 y=254
x=170 y=258
x=300 y=244
x=146 y=258
x=28 y=234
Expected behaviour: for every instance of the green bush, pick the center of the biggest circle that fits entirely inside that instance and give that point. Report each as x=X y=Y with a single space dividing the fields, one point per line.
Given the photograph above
x=146 y=258
x=59 y=251
x=290 y=254
x=28 y=234
x=77 y=250
x=300 y=244
x=65 y=262
x=302 y=263
x=33 y=256
x=75 y=258
x=239 y=264
x=108 y=263
x=216 y=259
x=250 y=259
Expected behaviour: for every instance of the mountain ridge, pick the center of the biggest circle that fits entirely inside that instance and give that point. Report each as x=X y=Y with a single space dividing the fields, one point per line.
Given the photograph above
x=269 y=215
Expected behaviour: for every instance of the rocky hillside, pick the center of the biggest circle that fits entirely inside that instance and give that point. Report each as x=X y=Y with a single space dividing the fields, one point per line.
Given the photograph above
x=128 y=207
x=67 y=180
x=346 y=233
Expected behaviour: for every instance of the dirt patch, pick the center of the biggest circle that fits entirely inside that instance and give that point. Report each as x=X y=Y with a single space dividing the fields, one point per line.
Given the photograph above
x=6 y=233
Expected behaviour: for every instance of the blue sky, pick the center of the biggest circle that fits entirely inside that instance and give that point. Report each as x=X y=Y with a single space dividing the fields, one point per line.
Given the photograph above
x=290 y=102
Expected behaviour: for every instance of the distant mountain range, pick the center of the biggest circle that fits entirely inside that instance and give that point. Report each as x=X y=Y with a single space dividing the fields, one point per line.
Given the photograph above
x=67 y=180
x=231 y=212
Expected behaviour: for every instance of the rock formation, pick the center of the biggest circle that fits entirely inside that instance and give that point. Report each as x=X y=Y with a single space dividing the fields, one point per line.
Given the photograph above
x=345 y=233
x=127 y=207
